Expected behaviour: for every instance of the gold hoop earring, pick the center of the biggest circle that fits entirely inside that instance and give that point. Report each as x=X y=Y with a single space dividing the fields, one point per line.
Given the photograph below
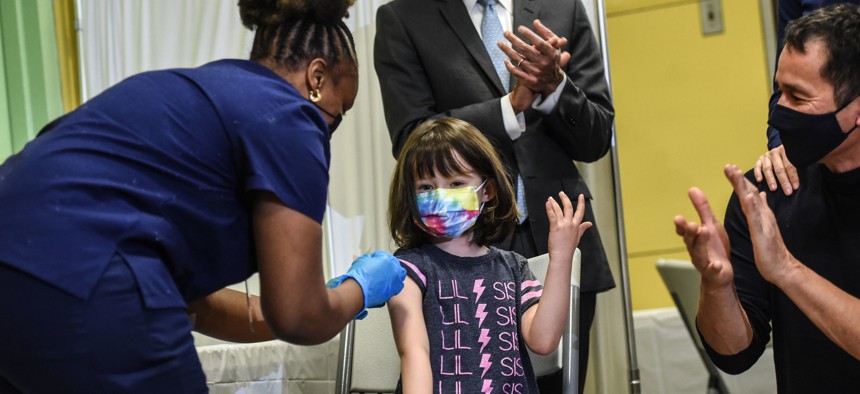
x=315 y=95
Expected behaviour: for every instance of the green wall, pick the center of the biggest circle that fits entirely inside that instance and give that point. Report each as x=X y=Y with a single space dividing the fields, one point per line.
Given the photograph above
x=29 y=71
x=5 y=137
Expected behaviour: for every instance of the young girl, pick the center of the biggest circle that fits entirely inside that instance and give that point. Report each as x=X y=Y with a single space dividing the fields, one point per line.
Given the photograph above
x=468 y=310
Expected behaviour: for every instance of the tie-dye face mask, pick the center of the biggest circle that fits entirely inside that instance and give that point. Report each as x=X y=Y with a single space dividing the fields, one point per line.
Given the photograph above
x=450 y=212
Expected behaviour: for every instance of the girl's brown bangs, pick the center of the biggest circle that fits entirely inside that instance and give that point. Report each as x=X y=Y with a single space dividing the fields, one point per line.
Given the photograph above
x=440 y=157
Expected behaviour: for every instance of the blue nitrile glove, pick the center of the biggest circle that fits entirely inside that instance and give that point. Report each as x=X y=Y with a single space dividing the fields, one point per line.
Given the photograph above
x=379 y=275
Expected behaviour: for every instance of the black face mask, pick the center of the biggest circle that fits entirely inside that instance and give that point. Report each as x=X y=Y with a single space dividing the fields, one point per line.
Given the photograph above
x=807 y=138
x=337 y=119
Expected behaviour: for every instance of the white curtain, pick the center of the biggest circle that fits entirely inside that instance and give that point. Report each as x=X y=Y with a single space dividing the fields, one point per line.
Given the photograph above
x=121 y=38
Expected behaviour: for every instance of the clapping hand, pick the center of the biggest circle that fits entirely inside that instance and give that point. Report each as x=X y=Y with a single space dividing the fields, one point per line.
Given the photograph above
x=707 y=243
x=772 y=258
x=537 y=65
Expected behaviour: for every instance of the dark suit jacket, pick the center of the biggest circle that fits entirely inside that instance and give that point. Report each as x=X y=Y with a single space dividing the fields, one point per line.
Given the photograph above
x=431 y=62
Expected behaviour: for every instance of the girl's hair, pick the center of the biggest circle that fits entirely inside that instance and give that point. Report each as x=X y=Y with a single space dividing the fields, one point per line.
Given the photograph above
x=431 y=148
x=291 y=33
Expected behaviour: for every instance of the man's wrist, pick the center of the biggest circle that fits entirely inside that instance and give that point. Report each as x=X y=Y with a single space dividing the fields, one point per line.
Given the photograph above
x=791 y=274
x=515 y=103
x=712 y=288
x=552 y=85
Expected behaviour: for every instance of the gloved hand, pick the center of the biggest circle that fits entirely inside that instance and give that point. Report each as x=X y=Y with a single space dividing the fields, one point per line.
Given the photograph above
x=379 y=275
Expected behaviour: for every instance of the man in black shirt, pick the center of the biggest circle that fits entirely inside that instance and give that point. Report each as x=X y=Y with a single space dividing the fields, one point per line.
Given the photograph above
x=795 y=269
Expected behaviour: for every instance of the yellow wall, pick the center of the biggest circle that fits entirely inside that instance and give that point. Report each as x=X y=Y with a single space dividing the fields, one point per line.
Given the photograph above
x=67 y=50
x=686 y=105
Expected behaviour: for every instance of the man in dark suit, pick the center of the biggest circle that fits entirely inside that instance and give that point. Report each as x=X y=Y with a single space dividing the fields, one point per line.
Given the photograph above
x=435 y=58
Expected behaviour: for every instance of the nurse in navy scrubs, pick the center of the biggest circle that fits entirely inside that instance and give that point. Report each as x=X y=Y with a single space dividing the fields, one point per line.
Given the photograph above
x=133 y=212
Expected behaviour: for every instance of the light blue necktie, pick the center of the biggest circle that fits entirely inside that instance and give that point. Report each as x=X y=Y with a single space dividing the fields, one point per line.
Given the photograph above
x=491 y=34
x=521 y=200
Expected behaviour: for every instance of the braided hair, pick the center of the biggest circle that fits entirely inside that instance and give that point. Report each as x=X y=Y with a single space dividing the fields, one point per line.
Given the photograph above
x=291 y=33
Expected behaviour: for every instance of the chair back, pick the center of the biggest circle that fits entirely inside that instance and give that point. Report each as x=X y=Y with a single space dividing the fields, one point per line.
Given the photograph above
x=368 y=359
x=566 y=357
x=682 y=279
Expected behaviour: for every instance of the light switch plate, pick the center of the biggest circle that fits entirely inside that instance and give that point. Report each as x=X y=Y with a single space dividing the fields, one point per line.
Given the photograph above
x=711 y=13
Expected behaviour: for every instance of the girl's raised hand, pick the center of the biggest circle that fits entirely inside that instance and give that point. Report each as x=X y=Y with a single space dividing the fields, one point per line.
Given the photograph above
x=565 y=226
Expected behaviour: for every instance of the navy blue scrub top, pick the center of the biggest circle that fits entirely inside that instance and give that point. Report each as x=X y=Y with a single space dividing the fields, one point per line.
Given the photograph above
x=160 y=169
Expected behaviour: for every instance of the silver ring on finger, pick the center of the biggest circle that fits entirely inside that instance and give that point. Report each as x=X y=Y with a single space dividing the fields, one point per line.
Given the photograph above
x=520 y=62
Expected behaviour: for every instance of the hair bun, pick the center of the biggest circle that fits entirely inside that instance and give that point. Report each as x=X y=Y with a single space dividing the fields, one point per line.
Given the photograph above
x=261 y=13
